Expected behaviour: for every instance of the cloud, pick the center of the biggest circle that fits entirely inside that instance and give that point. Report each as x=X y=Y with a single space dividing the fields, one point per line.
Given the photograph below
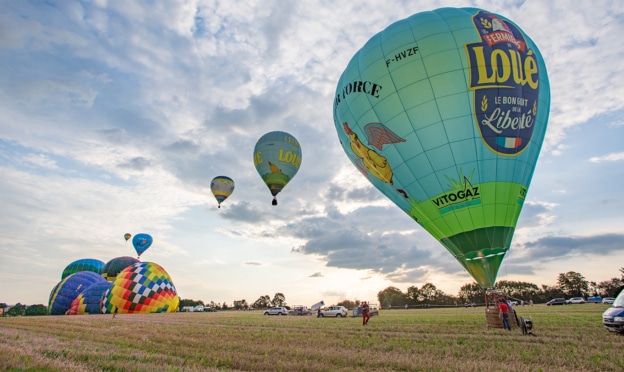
x=556 y=247
x=618 y=156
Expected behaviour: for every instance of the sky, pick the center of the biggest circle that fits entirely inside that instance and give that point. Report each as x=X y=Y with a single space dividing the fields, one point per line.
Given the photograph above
x=116 y=115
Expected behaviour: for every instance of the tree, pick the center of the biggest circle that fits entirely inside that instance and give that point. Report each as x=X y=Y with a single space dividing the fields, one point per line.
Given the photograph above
x=573 y=284
x=241 y=305
x=279 y=300
x=263 y=302
x=17 y=310
x=610 y=288
x=412 y=296
x=427 y=293
x=349 y=304
x=518 y=290
x=391 y=296
x=33 y=310
x=471 y=292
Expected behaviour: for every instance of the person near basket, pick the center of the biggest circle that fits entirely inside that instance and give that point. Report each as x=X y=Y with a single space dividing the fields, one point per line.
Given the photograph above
x=365 y=313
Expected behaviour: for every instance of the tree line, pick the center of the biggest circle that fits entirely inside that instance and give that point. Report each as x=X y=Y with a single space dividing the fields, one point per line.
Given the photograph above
x=570 y=284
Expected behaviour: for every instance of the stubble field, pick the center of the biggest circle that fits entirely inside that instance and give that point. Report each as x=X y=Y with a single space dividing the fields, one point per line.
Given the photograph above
x=567 y=338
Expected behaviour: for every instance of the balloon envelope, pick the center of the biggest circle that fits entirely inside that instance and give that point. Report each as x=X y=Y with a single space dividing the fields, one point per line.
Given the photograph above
x=83 y=264
x=277 y=157
x=144 y=287
x=141 y=243
x=221 y=188
x=445 y=113
x=114 y=266
x=90 y=300
x=68 y=289
x=127 y=236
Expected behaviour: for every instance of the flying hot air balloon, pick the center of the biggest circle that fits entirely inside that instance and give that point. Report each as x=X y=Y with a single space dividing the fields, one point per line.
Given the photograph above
x=445 y=113
x=141 y=243
x=277 y=157
x=222 y=187
x=127 y=236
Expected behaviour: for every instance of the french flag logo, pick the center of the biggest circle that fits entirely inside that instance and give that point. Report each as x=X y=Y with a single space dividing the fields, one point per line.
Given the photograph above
x=509 y=142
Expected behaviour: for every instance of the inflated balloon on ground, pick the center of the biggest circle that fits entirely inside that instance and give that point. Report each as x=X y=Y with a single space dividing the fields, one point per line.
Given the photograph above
x=114 y=266
x=83 y=264
x=90 y=300
x=144 y=287
x=445 y=113
x=66 y=291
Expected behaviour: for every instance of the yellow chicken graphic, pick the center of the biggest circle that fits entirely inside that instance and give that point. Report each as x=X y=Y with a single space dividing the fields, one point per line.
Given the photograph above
x=274 y=168
x=377 y=165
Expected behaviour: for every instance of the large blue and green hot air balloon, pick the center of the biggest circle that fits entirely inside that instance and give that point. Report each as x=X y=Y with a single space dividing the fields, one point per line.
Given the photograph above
x=445 y=112
x=277 y=157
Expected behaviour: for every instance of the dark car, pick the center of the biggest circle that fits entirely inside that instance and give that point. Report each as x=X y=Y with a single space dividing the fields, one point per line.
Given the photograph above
x=613 y=317
x=557 y=301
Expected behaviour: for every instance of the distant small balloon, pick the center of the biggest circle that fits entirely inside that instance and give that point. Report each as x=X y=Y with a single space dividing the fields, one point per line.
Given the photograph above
x=277 y=157
x=222 y=187
x=141 y=243
x=127 y=236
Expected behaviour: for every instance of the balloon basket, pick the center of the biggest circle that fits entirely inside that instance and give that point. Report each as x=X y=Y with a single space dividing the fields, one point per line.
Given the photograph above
x=493 y=317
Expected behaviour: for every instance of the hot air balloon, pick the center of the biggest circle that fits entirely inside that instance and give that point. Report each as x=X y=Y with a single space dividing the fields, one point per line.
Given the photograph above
x=221 y=188
x=90 y=300
x=114 y=266
x=277 y=157
x=445 y=113
x=127 y=236
x=83 y=264
x=69 y=288
x=141 y=243
x=144 y=287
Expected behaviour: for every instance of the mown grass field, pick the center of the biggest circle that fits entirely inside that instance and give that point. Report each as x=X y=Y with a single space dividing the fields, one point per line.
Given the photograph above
x=567 y=338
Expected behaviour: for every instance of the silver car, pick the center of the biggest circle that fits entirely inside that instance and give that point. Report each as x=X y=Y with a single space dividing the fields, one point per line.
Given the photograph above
x=276 y=311
x=335 y=311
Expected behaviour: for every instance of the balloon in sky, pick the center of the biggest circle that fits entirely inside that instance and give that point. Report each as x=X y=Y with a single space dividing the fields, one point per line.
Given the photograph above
x=69 y=288
x=445 y=113
x=84 y=264
x=114 y=266
x=277 y=157
x=144 y=287
x=127 y=236
x=141 y=242
x=221 y=188
x=90 y=300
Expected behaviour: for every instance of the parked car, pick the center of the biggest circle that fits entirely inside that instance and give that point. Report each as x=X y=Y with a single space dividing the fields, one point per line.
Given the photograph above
x=557 y=301
x=276 y=311
x=576 y=300
x=372 y=310
x=335 y=311
x=608 y=300
x=613 y=317
x=594 y=300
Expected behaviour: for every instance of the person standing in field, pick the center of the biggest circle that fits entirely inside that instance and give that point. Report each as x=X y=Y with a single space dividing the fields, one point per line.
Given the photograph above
x=365 y=313
x=504 y=309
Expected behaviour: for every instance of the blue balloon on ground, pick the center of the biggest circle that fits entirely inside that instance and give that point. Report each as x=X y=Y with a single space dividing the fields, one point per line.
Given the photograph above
x=66 y=291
